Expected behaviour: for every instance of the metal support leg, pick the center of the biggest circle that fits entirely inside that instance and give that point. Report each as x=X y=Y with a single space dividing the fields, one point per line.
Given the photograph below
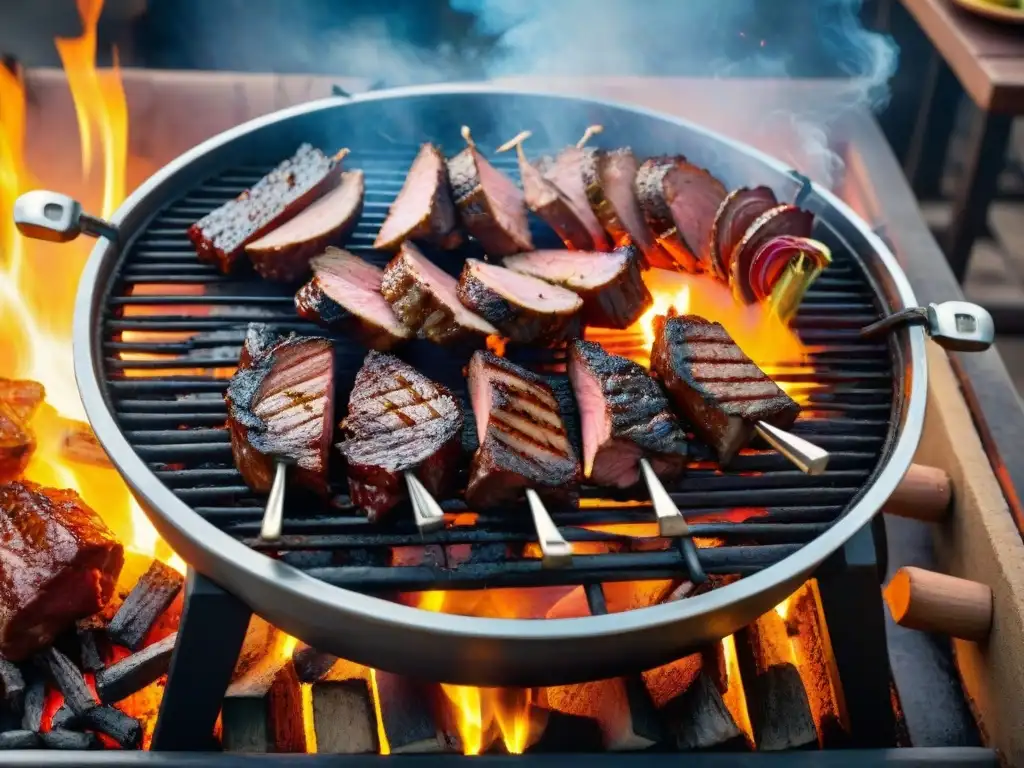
x=984 y=160
x=213 y=625
x=926 y=157
x=851 y=598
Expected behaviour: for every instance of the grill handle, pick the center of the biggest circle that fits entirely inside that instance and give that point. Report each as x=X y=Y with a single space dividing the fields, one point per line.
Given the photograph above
x=958 y=326
x=56 y=218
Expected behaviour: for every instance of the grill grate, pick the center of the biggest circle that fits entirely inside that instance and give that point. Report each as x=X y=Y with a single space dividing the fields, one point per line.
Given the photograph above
x=173 y=328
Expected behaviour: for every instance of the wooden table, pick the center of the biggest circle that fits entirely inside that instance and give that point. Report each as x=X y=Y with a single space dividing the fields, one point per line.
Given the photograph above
x=987 y=58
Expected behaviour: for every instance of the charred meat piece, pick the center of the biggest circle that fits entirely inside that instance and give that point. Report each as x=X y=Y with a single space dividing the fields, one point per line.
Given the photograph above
x=58 y=563
x=424 y=209
x=624 y=417
x=490 y=205
x=424 y=298
x=715 y=385
x=523 y=443
x=610 y=284
x=613 y=200
x=566 y=172
x=737 y=212
x=24 y=397
x=221 y=236
x=17 y=443
x=344 y=294
x=398 y=421
x=284 y=253
x=679 y=201
x=281 y=408
x=780 y=220
x=523 y=308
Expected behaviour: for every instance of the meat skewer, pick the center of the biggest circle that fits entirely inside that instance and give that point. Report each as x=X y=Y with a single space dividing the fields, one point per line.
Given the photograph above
x=568 y=171
x=671 y=523
x=555 y=551
x=723 y=394
x=423 y=209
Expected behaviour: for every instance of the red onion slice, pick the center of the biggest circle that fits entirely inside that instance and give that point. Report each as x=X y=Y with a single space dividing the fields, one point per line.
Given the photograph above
x=776 y=254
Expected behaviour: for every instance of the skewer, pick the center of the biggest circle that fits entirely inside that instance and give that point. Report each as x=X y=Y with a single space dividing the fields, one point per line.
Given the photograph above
x=806 y=456
x=426 y=511
x=516 y=141
x=468 y=136
x=592 y=130
x=671 y=523
x=556 y=552
x=273 y=516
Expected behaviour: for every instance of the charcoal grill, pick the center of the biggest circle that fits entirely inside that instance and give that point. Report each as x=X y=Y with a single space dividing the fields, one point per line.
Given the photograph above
x=163 y=425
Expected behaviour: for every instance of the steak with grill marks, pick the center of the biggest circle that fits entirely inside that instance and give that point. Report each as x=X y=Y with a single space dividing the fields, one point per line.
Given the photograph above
x=281 y=408
x=566 y=172
x=344 y=295
x=398 y=421
x=220 y=237
x=523 y=442
x=719 y=390
x=424 y=209
x=624 y=417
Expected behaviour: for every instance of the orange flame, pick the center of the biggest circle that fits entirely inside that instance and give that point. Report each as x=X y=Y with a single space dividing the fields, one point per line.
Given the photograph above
x=735 y=698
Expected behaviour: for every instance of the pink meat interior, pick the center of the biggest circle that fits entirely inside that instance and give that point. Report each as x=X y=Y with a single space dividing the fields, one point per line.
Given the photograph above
x=327 y=213
x=580 y=270
x=443 y=286
x=506 y=201
x=525 y=290
x=595 y=423
x=414 y=201
x=355 y=284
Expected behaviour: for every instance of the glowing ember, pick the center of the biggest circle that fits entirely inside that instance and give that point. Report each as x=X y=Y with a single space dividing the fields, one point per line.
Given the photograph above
x=735 y=698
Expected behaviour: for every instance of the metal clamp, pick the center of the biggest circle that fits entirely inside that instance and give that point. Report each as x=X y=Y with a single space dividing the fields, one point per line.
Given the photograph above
x=56 y=218
x=958 y=326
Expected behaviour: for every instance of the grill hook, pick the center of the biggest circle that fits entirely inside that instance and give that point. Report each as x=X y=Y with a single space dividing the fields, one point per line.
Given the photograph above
x=56 y=218
x=958 y=326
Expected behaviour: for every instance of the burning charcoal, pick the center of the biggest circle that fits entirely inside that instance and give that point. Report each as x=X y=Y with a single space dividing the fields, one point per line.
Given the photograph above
x=13 y=684
x=570 y=172
x=150 y=597
x=259 y=638
x=17 y=444
x=619 y=597
x=741 y=208
x=344 y=295
x=567 y=733
x=34 y=704
x=310 y=664
x=90 y=632
x=68 y=564
x=608 y=702
x=68 y=679
x=112 y=722
x=64 y=719
x=23 y=396
x=398 y=421
x=699 y=718
x=524 y=308
x=19 y=740
x=57 y=739
x=78 y=443
x=804 y=625
x=221 y=236
x=284 y=253
x=135 y=672
x=344 y=718
x=406 y=715
x=262 y=711
x=423 y=209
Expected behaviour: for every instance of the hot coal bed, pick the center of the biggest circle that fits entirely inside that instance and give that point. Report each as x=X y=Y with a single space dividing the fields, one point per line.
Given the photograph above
x=170 y=332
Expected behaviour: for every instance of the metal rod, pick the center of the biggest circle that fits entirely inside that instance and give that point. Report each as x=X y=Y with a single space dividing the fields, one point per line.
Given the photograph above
x=273 y=517
x=426 y=511
x=671 y=522
x=806 y=456
x=556 y=551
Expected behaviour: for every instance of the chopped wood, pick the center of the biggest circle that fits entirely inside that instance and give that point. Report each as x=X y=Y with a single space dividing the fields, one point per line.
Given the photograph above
x=135 y=672
x=149 y=598
x=262 y=711
x=17 y=444
x=670 y=681
x=406 y=715
x=259 y=637
x=19 y=740
x=64 y=718
x=699 y=719
x=13 y=684
x=621 y=706
x=936 y=602
x=34 y=703
x=78 y=443
x=343 y=718
x=68 y=679
x=112 y=722
x=567 y=733
x=23 y=396
x=806 y=625
x=90 y=634
x=59 y=739
x=310 y=664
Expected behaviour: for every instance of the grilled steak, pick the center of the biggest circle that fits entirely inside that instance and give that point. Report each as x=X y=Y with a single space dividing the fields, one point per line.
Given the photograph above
x=715 y=385
x=424 y=209
x=284 y=253
x=58 y=563
x=490 y=205
x=17 y=443
x=424 y=299
x=780 y=220
x=344 y=294
x=566 y=172
x=523 y=443
x=398 y=421
x=221 y=236
x=281 y=408
x=624 y=417
x=679 y=201
x=23 y=396
x=741 y=208
x=610 y=284
x=523 y=308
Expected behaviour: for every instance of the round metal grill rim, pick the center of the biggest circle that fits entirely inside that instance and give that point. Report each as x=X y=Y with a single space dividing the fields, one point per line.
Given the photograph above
x=463 y=649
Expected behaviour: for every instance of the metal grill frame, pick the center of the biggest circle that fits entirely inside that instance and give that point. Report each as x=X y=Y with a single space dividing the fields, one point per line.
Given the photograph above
x=461 y=649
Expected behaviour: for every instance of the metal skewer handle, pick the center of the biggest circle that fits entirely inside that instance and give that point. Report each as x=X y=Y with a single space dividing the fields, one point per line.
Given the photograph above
x=427 y=512
x=959 y=326
x=806 y=456
x=555 y=550
x=273 y=516
x=671 y=523
x=56 y=218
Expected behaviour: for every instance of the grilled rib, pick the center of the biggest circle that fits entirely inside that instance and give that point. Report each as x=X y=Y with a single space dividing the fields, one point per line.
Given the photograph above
x=523 y=442
x=424 y=209
x=398 y=420
x=719 y=390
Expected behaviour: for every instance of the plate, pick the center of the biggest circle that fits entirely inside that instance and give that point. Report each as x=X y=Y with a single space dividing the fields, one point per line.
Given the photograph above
x=992 y=11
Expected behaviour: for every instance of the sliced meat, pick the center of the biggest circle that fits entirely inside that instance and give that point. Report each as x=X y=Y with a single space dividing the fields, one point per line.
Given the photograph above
x=17 y=443
x=424 y=298
x=490 y=205
x=398 y=421
x=615 y=204
x=741 y=208
x=566 y=172
x=221 y=236
x=284 y=253
x=58 y=563
x=679 y=201
x=24 y=397
x=780 y=220
x=281 y=408
x=523 y=443
x=610 y=284
x=344 y=295
x=624 y=417
x=715 y=385
x=424 y=209
x=523 y=308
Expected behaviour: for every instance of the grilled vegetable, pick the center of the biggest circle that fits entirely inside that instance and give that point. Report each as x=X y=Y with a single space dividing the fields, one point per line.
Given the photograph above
x=735 y=215
x=424 y=209
x=783 y=269
x=780 y=220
